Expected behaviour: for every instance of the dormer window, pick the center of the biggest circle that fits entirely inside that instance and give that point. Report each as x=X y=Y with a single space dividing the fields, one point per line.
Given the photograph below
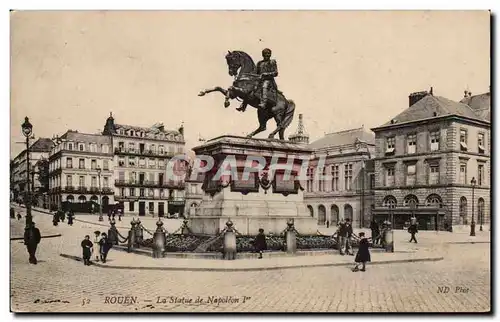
x=81 y=147
x=480 y=143
x=463 y=140
x=390 y=146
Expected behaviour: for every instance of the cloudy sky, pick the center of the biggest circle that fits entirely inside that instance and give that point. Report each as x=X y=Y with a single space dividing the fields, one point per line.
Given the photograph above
x=69 y=70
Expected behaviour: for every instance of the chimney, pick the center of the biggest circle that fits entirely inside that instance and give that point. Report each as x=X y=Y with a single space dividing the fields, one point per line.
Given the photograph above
x=417 y=96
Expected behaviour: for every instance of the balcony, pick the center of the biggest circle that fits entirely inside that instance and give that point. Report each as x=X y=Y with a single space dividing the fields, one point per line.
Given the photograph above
x=69 y=189
x=152 y=184
x=94 y=190
x=81 y=189
x=146 y=153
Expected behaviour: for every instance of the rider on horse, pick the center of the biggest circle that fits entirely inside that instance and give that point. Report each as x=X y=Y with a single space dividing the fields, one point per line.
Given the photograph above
x=267 y=69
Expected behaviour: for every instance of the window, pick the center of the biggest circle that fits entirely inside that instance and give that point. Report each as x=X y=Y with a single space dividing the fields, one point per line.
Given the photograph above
x=93 y=147
x=121 y=146
x=152 y=147
x=105 y=148
x=411 y=174
x=434 y=173
x=161 y=164
x=162 y=193
x=69 y=181
x=131 y=206
x=142 y=162
x=434 y=140
x=480 y=143
x=131 y=161
x=463 y=173
x=122 y=192
x=480 y=210
x=141 y=192
x=151 y=177
x=410 y=201
x=105 y=182
x=434 y=201
x=389 y=176
x=93 y=164
x=463 y=140
x=335 y=178
x=151 y=192
x=133 y=177
x=93 y=183
x=161 y=149
x=131 y=192
x=70 y=146
x=121 y=161
x=131 y=147
x=411 y=143
x=81 y=147
x=180 y=150
x=372 y=181
x=463 y=211
x=151 y=208
x=105 y=164
x=310 y=179
x=389 y=202
x=348 y=176
x=480 y=174
x=121 y=176
x=390 y=145
x=81 y=164
x=81 y=181
x=69 y=163
x=152 y=163
x=170 y=150
x=321 y=181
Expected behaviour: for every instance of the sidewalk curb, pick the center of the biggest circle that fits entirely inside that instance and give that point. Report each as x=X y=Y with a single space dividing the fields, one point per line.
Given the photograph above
x=470 y=242
x=194 y=269
x=48 y=236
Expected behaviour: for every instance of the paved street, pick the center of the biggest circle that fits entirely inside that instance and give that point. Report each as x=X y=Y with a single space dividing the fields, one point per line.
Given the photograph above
x=60 y=284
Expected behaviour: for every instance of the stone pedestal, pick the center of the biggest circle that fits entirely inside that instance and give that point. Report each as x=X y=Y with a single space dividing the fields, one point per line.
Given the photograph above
x=261 y=201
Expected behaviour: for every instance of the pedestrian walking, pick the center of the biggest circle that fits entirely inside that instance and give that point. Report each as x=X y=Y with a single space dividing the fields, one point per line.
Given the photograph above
x=87 y=246
x=327 y=224
x=104 y=247
x=71 y=215
x=55 y=219
x=63 y=215
x=374 y=227
x=260 y=243
x=363 y=254
x=413 y=230
x=119 y=215
x=348 y=242
x=32 y=238
x=342 y=236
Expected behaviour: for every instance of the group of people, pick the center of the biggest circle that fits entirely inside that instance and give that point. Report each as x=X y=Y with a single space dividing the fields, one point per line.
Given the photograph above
x=100 y=249
x=60 y=216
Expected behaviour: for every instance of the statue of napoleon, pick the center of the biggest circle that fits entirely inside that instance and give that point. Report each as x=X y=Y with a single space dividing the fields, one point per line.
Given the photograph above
x=256 y=86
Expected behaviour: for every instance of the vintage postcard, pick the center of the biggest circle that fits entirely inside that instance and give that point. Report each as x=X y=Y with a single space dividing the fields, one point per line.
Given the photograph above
x=250 y=161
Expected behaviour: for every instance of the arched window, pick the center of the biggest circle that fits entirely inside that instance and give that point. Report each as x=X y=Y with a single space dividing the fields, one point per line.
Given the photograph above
x=311 y=210
x=82 y=199
x=390 y=202
x=348 y=212
x=334 y=215
x=480 y=210
x=410 y=201
x=94 y=198
x=105 y=200
x=321 y=215
x=434 y=201
x=463 y=211
x=70 y=198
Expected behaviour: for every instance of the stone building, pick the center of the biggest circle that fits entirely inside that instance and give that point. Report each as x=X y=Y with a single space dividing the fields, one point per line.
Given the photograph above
x=81 y=172
x=426 y=158
x=194 y=193
x=348 y=193
x=141 y=156
x=39 y=150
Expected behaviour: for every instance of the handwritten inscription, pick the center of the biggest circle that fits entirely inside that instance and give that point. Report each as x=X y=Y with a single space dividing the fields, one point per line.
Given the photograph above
x=456 y=289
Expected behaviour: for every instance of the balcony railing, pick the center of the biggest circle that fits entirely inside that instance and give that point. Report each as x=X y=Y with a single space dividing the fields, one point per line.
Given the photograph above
x=92 y=190
x=153 y=184
x=155 y=153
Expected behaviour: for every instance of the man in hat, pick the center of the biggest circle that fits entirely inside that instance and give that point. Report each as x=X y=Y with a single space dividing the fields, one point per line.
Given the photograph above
x=32 y=238
x=267 y=68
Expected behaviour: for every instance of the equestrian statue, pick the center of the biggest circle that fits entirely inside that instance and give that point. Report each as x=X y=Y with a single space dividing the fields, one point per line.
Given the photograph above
x=255 y=86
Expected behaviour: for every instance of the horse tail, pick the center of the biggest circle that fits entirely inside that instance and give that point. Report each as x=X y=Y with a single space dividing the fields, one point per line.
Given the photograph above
x=289 y=111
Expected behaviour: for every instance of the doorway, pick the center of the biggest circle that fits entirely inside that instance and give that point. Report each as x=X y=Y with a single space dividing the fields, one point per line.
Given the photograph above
x=142 y=208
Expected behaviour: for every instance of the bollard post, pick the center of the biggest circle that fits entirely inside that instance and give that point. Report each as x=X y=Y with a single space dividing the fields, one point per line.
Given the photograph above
x=159 y=240
x=131 y=236
x=229 y=242
x=139 y=233
x=291 y=237
x=388 y=237
x=113 y=233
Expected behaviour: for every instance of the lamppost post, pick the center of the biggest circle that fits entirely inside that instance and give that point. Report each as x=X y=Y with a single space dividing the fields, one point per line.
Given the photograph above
x=100 y=195
x=27 y=129
x=473 y=223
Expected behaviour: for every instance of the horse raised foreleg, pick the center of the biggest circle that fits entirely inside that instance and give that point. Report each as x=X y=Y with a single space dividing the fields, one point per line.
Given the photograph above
x=215 y=89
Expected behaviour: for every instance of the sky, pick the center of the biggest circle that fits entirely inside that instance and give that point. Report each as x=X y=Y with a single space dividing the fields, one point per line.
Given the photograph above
x=343 y=69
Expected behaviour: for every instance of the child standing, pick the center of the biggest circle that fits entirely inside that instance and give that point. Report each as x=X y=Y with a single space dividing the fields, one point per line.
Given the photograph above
x=363 y=254
x=87 y=249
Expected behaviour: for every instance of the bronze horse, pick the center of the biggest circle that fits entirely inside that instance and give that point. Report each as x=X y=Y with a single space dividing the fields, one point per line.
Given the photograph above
x=246 y=87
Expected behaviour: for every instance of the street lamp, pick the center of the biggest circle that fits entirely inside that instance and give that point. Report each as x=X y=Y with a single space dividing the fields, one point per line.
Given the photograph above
x=100 y=195
x=473 y=223
x=27 y=128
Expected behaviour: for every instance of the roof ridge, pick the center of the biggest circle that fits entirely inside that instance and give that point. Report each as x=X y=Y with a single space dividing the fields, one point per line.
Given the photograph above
x=346 y=131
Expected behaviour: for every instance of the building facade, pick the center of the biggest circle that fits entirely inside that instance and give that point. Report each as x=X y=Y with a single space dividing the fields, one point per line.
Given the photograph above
x=426 y=158
x=81 y=171
x=141 y=155
x=347 y=193
x=39 y=152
